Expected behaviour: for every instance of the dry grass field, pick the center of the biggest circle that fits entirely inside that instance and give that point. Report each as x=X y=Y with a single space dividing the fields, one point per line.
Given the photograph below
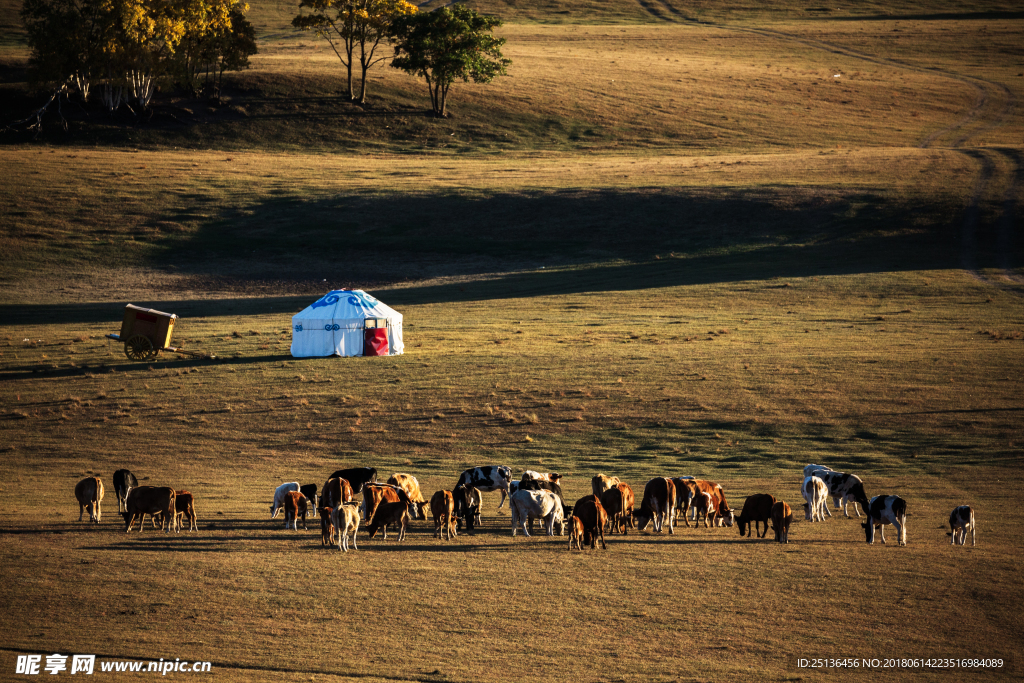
x=672 y=242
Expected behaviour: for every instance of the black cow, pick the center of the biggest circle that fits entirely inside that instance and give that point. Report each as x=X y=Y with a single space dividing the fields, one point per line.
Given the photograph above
x=123 y=481
x=467 y=506
x=357 y=476
x=312 y=500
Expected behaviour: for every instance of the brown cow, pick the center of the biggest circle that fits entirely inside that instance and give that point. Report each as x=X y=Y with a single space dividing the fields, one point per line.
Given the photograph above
x=442 y=507
x=346 y=519
x=756 y=509
x=335 y=492
x=575 y=533
x=704 y=506
x=89 y=493
x=326 y=526
x=659 y=499
x=294 y=506
x=184 y=507
x=532 y=475
x=149 y=500
x=600 y=483
x=782 y=517
x=721 y=507
x=391 y=513
x=374 y=495
x=618 y=502
x=593 y=516
x=408 y=483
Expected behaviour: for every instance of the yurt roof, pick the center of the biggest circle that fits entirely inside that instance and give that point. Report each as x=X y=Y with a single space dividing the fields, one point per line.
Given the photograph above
x=348 y=304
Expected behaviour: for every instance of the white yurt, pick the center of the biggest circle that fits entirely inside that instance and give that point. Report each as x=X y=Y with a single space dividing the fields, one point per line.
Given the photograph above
x=347 y=322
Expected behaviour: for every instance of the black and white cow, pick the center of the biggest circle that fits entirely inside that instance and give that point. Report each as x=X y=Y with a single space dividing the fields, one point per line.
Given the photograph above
x=844 y=489
x=811 y=469
x=884 y=510
x=486 y=479
x=357 y=476
x=960 y=520
x=312 y=499
x=124 y=481
x=467 y=506
x=527 y=505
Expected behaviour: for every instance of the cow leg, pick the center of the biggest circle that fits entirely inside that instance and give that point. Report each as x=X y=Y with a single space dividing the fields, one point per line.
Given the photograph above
x=504 y=495
x=972 y=534
x=604 y=545
x=824 y=506
x=901 y=531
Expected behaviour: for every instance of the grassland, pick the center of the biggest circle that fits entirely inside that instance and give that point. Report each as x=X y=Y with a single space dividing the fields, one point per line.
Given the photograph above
x=671 y=243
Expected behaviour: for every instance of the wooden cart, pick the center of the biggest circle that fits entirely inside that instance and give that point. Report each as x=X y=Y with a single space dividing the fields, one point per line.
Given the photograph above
x=146 y=332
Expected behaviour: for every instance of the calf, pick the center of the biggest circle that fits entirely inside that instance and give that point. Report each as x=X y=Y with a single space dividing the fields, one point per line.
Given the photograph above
x=390 y=513
x=575 y=533
x=149 y=500
x=357 y=477
x=782 y=517
x=345 y=518
x=467 y=506
x=756 y=509
x=312 y=499
x=326 y=526
x=124 y=481
x=488 y=478
x=884 y=510
x=89 y=493
x=408 y=483
x=659 y=497
x=600 y=483
x=295 y=505
x=184 y=508
x=525 y=505
x=593 y=517
x=279 y=493
x=703 y=505
x=335 y=492
x=815 y=493
x=960 y=520
x=374 y=495
x=844 y=488
x=685 y=490
x=618 y=502
x=442 y=508
x=723 y=513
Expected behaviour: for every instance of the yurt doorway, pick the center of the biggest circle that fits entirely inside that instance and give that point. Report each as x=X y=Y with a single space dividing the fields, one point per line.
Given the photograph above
x=375 y=337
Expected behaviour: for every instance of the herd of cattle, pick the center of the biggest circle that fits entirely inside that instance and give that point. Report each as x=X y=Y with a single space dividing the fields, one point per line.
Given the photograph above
x=537 y=496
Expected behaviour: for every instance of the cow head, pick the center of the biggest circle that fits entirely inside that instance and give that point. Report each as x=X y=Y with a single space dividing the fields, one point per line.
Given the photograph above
x=869 y=529
x=642 y=518
x=742 y=524
x=726 y=517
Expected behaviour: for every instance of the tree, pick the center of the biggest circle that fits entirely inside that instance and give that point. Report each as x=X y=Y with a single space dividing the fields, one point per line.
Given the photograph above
x=351 y=24
x=219 y=39
x=447 y=44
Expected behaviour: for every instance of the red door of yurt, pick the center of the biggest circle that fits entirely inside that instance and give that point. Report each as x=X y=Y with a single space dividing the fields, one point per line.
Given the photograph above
x=375 y=337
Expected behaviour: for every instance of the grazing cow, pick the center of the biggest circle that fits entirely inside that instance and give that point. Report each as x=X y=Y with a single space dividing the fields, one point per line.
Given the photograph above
x=149 y=500
x=685 y=490
x=467 y=506
x=811 y=469
x=279 y=493
x=335 y=491
x=593 y=517
x=123 y=481
x=960 y=520
x=357 y=477
x=531 y=475
x=884 y=510
x=326 y=526
x=345 y=518
x=723 y=514
x=374 y=495
x=659 y=497
x=295 y=505
x=601 y=483
x=442 y=508
x=756 y=508
x=312 y=499
x=782 y=518
x=815 y=493
x=527 y=505
x=489 y=478
x=844 y=489
x=618 y=502
x=408 y=483
x=390 y=513
x=89 y=493
x=575 y=533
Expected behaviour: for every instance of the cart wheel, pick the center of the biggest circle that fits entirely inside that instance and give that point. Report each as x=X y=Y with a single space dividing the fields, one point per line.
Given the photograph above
x=139 y=348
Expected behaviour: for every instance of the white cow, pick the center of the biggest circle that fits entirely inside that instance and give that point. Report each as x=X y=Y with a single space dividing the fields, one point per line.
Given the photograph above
x=540 y=504
x=884 y=510
x=345 y=518
x=531 y=475
x=960 y=520
x=279 y=495
x=811 y=469
x=816 y=494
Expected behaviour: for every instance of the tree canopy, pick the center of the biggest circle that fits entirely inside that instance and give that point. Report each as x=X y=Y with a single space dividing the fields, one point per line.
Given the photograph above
x=448 y=44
